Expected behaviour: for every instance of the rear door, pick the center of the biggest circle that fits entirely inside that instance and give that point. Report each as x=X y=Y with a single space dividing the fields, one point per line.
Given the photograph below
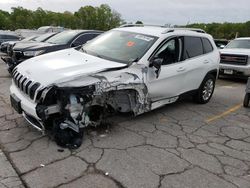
x=195 y=61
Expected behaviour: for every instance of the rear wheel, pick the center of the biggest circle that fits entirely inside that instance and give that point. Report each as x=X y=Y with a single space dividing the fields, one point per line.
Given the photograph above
x=206 y=90
x=246 y=100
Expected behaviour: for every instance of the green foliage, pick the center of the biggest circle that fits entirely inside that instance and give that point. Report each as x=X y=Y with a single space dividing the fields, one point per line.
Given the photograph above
x=102 y=18
x=88 y=17
x=225 y=30
x=138 y=22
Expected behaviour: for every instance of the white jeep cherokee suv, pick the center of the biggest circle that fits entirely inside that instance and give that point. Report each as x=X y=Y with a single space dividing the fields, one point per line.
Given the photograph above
x=235 y=59
x=127 y=69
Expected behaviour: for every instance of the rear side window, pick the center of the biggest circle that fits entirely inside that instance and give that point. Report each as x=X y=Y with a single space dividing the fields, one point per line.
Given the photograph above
x=193 y=47
x=207 y=45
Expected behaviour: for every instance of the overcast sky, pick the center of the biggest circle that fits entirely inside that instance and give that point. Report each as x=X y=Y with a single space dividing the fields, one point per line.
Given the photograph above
x=152 y=11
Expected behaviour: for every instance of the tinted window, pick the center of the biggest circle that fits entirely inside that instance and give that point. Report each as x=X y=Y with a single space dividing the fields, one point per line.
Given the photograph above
x=207 y=45
x=193 y=47
x=169 y=52
x=63 y=38
x=84 y=38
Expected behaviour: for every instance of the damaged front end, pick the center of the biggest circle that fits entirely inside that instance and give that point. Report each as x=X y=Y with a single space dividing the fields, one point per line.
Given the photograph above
x=71 y=109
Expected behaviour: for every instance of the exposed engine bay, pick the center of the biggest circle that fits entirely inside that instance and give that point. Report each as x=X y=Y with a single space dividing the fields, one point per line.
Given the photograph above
x=71 y=109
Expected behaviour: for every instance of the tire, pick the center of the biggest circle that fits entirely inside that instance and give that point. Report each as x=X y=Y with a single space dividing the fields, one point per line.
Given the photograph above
x=246 y=100
x=205 y=90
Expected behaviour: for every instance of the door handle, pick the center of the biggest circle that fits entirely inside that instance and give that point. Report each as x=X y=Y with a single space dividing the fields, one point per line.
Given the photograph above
x=206 y=62
x=181 y=69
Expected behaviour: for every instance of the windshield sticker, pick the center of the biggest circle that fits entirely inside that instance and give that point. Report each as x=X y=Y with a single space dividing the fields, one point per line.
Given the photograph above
x=145 y=38
x=130 y=43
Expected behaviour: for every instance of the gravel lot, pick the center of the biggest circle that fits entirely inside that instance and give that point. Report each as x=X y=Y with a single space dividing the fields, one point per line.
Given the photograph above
x=180 y=145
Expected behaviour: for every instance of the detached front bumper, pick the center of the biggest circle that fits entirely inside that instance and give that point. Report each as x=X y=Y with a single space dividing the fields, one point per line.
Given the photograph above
x=235 y=70
x=27 y=108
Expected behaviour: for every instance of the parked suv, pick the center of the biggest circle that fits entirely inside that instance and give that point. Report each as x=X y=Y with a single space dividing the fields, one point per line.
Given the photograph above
x=33 y=40
x=235 y=59
x=4 y=45
x=8 y=36
x=128 y=69
x=63 y=40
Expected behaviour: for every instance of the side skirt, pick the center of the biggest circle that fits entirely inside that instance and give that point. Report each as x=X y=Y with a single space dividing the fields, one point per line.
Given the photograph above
x=162 y=102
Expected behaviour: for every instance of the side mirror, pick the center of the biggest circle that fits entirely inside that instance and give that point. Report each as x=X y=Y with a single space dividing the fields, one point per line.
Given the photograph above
x=156 y=63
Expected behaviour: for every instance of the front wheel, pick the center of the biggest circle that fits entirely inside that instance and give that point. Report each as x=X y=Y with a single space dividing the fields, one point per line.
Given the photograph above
x=205 y=90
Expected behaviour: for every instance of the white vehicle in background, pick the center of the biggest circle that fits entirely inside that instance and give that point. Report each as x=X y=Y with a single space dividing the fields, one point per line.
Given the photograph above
x=133 y=68
x=235 y=59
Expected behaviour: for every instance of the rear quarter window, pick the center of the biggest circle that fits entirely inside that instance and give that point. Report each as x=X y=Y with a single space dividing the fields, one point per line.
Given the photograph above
x=207 y=45
x=193 y=47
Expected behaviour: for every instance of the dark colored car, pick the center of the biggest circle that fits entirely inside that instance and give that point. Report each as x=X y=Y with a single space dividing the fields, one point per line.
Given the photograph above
x=8 y=49
x=63 y=40
x=4 y=46
x=10 y=44
x=32 y=39
x=221 y=43
x=7 y=36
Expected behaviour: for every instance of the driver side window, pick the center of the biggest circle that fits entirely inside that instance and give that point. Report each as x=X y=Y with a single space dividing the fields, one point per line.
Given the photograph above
x=169 y=52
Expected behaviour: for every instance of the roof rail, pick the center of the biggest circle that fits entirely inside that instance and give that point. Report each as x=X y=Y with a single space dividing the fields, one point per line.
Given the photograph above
x=142 y=25
x=168 y=29
x=183 y=28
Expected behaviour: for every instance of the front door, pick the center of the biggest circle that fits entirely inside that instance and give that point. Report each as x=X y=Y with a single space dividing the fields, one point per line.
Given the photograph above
x=171 y=77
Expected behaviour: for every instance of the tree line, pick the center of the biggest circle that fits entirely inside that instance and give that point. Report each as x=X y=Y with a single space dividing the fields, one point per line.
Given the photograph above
x=225 y=30
x=87 y=17
x=102 y=18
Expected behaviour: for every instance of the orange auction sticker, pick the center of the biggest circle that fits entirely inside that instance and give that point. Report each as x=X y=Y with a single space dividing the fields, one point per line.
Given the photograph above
x=130 y=43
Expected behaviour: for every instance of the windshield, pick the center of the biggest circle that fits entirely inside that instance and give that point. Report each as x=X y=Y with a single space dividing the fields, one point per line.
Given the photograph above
x=44 y=37
x=62 y=38
x=239 y=44
x=121 y=46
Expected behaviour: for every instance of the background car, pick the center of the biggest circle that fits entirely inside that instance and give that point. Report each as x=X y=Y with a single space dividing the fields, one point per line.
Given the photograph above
x=8 y=36
x=10 y=44
x=235 y=59
x=221 y=43
x=63 y=40
x=4 y=45
x=37 y=38
x=8 y=49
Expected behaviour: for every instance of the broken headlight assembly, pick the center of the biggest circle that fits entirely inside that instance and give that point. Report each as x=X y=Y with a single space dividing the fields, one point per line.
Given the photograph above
x=72 y=117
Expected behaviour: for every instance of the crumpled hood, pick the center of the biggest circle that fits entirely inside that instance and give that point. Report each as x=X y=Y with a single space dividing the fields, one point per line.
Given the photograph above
x=56 y=67
x=31 y=45
x=239 y=51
